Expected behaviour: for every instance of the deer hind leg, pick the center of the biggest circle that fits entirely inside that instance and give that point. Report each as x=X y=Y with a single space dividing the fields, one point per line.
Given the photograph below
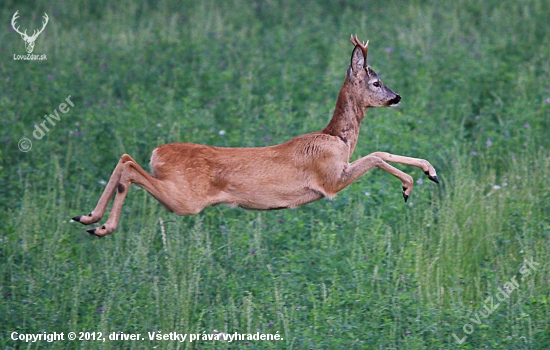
x=420 y=163
x=108 y=193
x=131 y=173
x=126 y=172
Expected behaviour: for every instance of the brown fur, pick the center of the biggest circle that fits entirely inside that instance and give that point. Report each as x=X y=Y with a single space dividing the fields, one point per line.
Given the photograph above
x=188 y=177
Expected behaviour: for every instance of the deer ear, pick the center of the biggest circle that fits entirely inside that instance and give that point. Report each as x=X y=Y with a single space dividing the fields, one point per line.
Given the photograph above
x=349 y=74
x=357 y=60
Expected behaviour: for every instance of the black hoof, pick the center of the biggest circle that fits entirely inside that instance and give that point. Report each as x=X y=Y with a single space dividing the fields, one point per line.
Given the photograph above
x=91 y=230
x=405 y=196
x=77 y=218
x=433 y=178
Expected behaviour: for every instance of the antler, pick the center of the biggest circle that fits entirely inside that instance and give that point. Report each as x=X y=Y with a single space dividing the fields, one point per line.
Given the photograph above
x=364 y=47
x=34 y=35
x=13 y=19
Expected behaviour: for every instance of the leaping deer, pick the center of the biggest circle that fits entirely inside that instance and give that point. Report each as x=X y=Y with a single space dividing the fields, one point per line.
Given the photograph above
x=188 y=177
x=29 y=40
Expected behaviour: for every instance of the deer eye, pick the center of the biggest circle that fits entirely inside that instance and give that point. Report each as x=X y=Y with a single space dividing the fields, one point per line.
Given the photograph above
x=376 y=84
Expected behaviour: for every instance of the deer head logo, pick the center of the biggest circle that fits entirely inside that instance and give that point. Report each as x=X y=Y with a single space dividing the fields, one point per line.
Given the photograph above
x=29 y=40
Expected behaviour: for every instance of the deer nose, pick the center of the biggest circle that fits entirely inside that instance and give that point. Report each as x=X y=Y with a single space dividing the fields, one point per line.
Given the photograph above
x=394 y=100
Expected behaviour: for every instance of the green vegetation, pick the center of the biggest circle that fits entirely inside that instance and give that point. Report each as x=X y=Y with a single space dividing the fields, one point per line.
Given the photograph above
x=363 y=271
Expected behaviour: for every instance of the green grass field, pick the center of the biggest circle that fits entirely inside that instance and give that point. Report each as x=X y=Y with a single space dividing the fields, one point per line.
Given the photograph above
x=363 y=271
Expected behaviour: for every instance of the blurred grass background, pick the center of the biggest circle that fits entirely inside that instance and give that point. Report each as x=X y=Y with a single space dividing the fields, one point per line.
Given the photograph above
x=363 y=271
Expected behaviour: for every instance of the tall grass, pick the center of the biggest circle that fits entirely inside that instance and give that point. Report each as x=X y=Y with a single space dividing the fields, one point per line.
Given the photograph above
x=361 y=271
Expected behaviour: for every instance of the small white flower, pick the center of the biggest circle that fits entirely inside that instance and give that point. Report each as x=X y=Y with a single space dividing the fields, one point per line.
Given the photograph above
x=102 y=182
x=420 y=181
x=221 y=132
x=489 y=143
x=222 y=336
x=159 y=125
x=496 y=187
x=367 y=193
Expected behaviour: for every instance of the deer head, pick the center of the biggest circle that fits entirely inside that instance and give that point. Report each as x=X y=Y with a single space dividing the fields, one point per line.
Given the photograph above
x=365 y=82
x=29 y=40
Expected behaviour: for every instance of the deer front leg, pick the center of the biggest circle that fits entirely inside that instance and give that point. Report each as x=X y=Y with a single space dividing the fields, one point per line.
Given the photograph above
x=356 y=169
x=420 y=163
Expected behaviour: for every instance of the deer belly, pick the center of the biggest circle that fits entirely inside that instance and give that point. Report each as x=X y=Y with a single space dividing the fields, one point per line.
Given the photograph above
x=269 y=198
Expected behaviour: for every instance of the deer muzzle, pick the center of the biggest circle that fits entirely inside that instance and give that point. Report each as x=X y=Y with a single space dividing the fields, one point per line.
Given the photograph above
x=394 y=101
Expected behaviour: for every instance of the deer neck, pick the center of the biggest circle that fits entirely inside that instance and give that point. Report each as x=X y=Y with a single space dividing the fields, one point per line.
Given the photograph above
x=346 y=120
